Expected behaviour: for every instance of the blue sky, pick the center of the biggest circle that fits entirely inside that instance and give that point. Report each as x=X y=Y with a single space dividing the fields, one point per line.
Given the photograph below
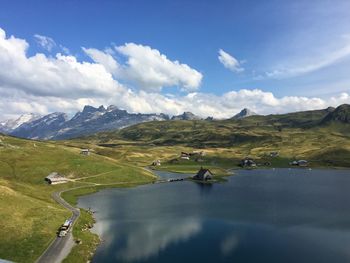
x=288 y=48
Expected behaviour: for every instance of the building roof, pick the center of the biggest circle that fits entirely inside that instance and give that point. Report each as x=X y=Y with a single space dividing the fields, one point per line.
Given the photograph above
x=202 y=172
x=54 y=175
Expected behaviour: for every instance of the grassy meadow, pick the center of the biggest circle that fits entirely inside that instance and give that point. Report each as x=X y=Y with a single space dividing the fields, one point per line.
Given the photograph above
x=30 y=218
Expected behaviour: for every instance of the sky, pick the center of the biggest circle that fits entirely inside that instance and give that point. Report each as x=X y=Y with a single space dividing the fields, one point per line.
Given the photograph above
x=212 y=58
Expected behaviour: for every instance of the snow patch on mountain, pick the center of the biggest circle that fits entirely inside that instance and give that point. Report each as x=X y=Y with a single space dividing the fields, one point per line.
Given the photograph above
x=10 y=125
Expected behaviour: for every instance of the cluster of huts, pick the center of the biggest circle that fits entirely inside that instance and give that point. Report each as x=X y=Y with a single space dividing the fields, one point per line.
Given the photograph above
x=300 y=163
x=250 y=163
x=194 y=154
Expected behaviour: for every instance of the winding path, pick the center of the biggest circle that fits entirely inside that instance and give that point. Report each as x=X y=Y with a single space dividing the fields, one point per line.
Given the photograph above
x=60 y=246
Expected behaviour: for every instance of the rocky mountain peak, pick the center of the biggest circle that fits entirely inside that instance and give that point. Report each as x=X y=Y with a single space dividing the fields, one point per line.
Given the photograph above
x=340 y=114
x=112 y=108
x=10 y=125
x=186 y=116
x=243 y=114
x=91 y=109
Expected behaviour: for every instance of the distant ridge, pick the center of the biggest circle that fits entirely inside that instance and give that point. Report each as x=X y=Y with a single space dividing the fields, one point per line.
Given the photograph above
x=224 y=133
x=340 y=114
x=243 y=114
x=186 y=116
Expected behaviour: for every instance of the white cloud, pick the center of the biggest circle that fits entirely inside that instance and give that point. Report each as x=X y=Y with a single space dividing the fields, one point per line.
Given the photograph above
x=147 y=68
x=64 y=49
x=45 y=42
x=42 y=84
x=312 y=64
x=105 y=59
x=227 y=104
x=61 y=76
x=229 y=62
x=151 y=70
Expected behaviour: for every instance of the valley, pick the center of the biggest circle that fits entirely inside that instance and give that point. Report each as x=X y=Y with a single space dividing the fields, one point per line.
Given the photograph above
x=119 y=158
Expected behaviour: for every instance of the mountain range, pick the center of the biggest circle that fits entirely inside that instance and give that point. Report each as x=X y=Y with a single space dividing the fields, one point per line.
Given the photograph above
x=90 y=120
x=322 y=127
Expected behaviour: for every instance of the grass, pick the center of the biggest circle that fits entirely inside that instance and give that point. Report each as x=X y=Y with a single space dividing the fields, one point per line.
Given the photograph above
x=29 y=216
x=83 y=251
x=27 y=223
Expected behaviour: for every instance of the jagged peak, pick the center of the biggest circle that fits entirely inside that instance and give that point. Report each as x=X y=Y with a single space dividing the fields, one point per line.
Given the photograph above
x=112 y=108
x=244 y=113
x=187 y=115
x=340 y=114
x=90 y=109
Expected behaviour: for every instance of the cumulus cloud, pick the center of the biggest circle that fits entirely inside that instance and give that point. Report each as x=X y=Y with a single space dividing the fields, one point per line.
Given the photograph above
x=103 y=58
x=45 y=42
x=42 y=84
x=152 y=70
x=229 y=62
x=61 y=76
x=147 y=68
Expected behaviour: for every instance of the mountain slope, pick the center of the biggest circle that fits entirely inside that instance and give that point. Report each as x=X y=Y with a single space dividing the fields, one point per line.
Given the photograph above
x=89 y=121
x=340 y=114
x=42 y=128
x=92 y=120
x=10 y=125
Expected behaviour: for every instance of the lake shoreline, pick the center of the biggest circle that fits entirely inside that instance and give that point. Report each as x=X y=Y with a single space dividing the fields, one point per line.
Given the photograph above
x=95 y=189
x=72 y=196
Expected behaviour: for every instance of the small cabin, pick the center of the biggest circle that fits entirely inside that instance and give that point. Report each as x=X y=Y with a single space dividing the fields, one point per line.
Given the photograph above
x=55 y=178
x=197 y=153
x=303 y=163
x=85 y=151
x=274 y=154
x=247 y=162
x=185 y=156
x=156 y=163
x=203 y=175
x=300 y=163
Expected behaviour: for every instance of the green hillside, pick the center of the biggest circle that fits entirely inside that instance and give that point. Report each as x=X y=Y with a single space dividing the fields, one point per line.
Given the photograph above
x=222 y=132
x=295 y=135
x=29 y=216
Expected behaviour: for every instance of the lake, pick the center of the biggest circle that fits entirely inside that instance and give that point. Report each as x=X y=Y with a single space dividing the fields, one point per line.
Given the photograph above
x=280 y=215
